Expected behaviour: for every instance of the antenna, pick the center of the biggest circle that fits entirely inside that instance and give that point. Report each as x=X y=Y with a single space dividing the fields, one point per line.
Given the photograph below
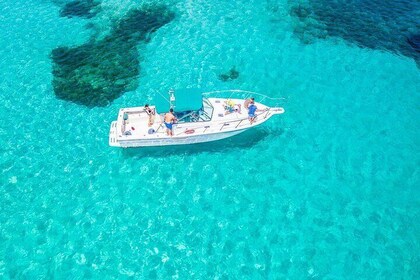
x=171 y=99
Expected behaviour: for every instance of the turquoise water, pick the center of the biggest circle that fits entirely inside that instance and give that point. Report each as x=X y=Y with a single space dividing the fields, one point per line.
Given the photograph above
x=329 y=190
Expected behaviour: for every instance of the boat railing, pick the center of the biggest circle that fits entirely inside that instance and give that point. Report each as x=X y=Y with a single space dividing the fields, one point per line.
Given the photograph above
x=238 y=122
x=274 y=105
x=244 y=94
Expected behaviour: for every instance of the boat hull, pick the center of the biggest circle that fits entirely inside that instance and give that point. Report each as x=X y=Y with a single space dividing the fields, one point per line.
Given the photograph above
x=218 y=118
x=193 y=139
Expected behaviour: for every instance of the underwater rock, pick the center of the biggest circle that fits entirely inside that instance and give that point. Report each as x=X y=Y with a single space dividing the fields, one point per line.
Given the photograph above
x=140 y=23
x=232 y=74
x=414 y=42
x=300 y=11
x=374 y=24
x=80 y=8
x=96 y=73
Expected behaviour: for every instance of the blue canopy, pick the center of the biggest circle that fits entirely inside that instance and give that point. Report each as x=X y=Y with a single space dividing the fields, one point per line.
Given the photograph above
x=185 y=100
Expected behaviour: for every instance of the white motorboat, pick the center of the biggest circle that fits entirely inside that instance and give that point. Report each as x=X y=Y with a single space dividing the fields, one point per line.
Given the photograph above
x=201 y=117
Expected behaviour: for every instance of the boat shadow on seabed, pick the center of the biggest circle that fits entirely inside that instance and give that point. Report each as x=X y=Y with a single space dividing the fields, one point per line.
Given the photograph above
x=243 y=140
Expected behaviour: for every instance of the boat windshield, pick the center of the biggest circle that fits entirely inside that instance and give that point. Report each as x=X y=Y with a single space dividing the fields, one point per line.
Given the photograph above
x=204 y=114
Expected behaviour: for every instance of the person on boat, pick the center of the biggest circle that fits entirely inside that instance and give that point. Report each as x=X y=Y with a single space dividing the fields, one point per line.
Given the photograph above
x=231 y=107
x=252 y=109
x=248 y=102
x=169 y=120
x=151 y=113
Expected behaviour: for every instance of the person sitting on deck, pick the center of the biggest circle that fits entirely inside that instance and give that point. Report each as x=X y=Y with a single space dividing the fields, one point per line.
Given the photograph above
x=169 y=120
x=151 y=112
x=231 y=107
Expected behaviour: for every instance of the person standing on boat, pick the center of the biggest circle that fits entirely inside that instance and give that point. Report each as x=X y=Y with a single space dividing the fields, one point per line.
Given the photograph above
x=248 y=102
x=252 y=109
x=169 y=121
x=151 y=113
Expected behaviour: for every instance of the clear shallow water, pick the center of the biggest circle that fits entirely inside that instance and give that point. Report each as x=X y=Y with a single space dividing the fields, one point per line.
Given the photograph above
x=329 y=190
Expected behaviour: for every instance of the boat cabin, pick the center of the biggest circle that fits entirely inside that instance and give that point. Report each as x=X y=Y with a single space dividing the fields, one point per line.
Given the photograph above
x=188 y=105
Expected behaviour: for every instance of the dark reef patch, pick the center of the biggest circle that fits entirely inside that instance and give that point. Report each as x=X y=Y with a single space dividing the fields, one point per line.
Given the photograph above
x=374 y=24
x=414 y=42
x=95 y=73
x=140 y=23
x=80 y=8
x=232 y=74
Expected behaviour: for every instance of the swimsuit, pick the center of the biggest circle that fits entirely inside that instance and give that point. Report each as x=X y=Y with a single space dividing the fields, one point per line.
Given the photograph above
x=251 y=111
x=168 y=125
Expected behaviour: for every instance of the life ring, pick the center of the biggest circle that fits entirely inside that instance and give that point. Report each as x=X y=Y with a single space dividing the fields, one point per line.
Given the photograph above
x=189 y=131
